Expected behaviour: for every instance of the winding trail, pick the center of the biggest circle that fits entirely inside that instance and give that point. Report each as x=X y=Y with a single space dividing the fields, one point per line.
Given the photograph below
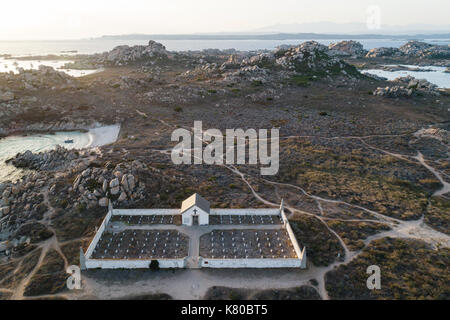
x=45 y=247
x=445 y=185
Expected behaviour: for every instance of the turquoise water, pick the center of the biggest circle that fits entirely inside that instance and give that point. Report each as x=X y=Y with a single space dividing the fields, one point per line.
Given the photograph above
x=10 y=146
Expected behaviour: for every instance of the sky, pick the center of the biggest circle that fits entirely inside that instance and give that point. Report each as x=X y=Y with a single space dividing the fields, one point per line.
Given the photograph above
x=51 y=19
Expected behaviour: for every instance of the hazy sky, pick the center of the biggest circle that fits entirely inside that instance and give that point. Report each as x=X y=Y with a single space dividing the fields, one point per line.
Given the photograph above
x=51 y=19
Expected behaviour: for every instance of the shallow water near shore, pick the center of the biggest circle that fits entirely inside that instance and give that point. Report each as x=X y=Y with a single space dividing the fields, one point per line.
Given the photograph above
x=436 y=75
x=12 y=145
x=7 y=65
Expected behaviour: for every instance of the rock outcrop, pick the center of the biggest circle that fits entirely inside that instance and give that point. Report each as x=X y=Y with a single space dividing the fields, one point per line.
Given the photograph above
x=46 y=161
x=407 y=86
x=123 y=55
x=347 y=48
x=100 y=186
x=384 y=52
x=309 y=58
x=32 y=80
x=425 y=50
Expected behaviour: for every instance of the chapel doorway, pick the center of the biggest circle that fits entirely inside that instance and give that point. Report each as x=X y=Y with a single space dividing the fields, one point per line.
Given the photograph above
x=195 y=220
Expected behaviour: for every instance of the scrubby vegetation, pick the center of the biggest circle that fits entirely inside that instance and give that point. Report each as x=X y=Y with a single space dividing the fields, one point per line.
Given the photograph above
x=351 y=173
x=353 y=233
x=50 y=278
x=298 y=293
x=437 y=215
x=323 y=248
x=410 y=269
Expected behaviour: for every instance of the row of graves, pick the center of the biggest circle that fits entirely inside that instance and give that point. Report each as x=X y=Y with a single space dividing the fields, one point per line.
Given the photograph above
x=244 y=219
x=147 y=219
x=141 y=244
x=247 y=244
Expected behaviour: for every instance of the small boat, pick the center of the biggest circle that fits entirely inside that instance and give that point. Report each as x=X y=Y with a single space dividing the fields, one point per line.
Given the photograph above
x=68 y=141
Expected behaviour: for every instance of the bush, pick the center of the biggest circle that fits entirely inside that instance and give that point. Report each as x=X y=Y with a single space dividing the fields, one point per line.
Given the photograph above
x=300 y=80
x=154 y=265
x=93 y=184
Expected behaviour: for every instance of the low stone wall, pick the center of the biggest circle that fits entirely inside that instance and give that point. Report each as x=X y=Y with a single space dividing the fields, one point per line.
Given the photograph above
x=145 y=212
x=297 y=249
x=251 y=263
x=99 y=233
x=243 y=212
x=301 y=254
x=134 y=264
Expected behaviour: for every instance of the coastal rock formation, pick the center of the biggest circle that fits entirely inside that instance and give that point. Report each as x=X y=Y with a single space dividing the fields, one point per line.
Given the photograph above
x=47 y=161
x=347 y=48
x=98 y=186
x=384 y=52
x=21 y=202
x=43 y=77
x=309 y=58
x=123 y=55
x=296 y=65
x=232 y=63
x=407 y=86
x=414 y=48
x=425 y=50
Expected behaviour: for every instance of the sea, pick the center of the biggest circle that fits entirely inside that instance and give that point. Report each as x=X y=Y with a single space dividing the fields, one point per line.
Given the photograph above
x=12 y=145
x=24 y=48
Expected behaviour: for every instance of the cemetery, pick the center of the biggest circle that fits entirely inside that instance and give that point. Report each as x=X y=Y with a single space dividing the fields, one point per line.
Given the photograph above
x=195 y=236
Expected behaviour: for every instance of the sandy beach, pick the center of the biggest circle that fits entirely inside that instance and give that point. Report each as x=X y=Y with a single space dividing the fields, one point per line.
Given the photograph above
x=103 y=135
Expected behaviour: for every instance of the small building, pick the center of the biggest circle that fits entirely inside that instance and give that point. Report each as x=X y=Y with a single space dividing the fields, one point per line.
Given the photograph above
x=195 y=211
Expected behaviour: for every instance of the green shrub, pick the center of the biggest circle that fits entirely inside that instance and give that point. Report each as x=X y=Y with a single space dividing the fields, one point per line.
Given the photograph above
x=154 y=265
x=300 y=80
x=93 y=184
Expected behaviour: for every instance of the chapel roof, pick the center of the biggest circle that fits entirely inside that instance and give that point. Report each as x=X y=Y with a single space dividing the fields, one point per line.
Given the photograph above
x=195 y=200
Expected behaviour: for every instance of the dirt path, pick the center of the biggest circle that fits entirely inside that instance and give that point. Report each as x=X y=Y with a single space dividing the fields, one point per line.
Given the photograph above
x=46 y=246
